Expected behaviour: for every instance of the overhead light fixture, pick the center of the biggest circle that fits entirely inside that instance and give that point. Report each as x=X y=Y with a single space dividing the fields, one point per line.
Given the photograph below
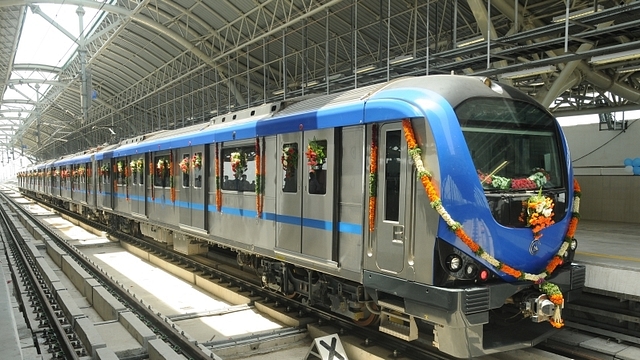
x=528 y=72
x=616 y=57
x=577 y=14
x=334 y=77
x=400 y=59
x=628 y=69
x=310 y=83
x=471 y=41
x=278 y=92
x=365 y=69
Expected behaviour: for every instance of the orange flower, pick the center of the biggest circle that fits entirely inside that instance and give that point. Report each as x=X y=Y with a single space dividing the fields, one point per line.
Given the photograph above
x=467 y=240
x=431 y=190
x=557 y=325
x=408 y=134
x=372 y=213
x=576 y=186
x=510 y=271
x=557 y=299
x=573 y=225
x=555 y=262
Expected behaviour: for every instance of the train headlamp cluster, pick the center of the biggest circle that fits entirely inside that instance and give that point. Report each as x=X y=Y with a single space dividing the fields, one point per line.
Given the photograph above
x=454 y=263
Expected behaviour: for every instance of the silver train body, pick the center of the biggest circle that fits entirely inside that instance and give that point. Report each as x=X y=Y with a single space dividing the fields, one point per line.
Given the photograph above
x=306 y=228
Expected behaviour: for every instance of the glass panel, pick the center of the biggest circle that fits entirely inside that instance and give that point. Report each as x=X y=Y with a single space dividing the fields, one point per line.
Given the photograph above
x=238 y=169
x=392 y=176
x=513 y=145
x=317 y=161
x=289 y=161
x=196 y=165
x=184 y=169
x=161 y=176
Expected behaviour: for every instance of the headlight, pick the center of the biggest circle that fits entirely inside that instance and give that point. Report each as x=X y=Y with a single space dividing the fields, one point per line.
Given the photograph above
x=454 y=263
x=573 y=245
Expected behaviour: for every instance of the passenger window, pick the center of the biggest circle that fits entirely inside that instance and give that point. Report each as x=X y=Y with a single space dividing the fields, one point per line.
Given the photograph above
x=104 y=172
x=184 y=168
x=161 y=178
x=238 y=170
x=134 y=172
x=316 y=155
x=196 y=165
x=289 y=161
x=121 y=172
x=392 y=176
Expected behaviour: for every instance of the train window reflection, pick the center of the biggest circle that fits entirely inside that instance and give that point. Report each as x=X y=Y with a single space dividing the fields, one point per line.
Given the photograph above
x=392 y=176
x=238 y=169
x=316 y=155
x=196 y=164
x=184 y=169
x=161 y=178
x=289 y=160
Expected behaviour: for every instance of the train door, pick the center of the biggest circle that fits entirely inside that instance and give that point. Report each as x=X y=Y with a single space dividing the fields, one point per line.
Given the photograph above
x=184 y=186
x=192 y=200
x=138 y=191
x=107 y=185
x=91 y=182
x=318 y=194
x=289 y=199
x=390 y=216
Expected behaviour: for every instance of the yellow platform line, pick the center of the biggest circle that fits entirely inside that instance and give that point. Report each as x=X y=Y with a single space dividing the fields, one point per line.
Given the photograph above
x=608 y=256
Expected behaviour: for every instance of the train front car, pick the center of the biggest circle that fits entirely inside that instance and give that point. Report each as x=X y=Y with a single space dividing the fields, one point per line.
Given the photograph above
x=487 y=219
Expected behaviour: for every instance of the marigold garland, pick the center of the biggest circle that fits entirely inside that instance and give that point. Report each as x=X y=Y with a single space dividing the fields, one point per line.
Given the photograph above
x=171 y=184
x=373 y=177
x=258 y=185
x=151 y=174
x=218 y=188
x=552 y=290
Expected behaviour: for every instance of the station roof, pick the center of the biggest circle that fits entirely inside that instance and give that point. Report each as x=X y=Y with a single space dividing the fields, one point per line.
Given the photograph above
x=158 y=64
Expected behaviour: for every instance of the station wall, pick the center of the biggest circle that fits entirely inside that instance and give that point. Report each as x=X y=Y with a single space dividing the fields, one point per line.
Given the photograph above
x=607 y=166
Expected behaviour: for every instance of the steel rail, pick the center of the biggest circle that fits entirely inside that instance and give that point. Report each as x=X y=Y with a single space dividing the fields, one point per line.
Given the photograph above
x=169 y=334
x=10 y=233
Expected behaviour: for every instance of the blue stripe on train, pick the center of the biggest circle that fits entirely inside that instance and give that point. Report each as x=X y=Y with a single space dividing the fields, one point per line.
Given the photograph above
x=343 y=227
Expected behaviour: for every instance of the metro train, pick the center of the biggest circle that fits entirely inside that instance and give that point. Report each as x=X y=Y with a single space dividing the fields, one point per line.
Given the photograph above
x=439 y=208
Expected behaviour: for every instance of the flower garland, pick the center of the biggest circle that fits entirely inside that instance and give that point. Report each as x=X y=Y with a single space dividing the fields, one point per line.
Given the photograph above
x=552 y=290
x=373 y=177
x=289 y=160
x=315 y=155
x=238 y=164
x=171 y=185
x=139 y=165
x=120 y=167
x=539 y=211
x=184 y=165
x=196 y=161
x=151 y=175
x=134 y=166
x=218 y=184
x=534 y=181
x=259 y=179
x=104 y=170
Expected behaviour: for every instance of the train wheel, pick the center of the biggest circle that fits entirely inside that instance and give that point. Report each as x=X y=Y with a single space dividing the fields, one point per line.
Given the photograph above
x=373 y=317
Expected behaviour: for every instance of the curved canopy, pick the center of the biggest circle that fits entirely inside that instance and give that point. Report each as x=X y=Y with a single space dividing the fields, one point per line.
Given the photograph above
x=140 y=67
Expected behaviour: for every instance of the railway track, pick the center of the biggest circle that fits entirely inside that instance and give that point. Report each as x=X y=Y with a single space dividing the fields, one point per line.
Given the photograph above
x=53 y=334
x=232 y=276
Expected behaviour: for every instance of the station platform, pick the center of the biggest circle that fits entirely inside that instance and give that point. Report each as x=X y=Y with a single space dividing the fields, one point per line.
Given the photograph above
x=611 y=255
x=608 y=250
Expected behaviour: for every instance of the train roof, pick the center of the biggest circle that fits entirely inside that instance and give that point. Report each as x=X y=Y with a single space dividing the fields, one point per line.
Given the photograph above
x=396 y=99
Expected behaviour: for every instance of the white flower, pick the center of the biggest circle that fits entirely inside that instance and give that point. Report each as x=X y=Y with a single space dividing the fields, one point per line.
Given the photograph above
x=546 y=212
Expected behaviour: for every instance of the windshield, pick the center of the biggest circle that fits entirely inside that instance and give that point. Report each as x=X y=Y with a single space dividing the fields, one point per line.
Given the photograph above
x=514 y=145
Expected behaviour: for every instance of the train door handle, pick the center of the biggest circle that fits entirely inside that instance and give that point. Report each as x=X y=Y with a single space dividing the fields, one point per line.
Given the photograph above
x=398 y=234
